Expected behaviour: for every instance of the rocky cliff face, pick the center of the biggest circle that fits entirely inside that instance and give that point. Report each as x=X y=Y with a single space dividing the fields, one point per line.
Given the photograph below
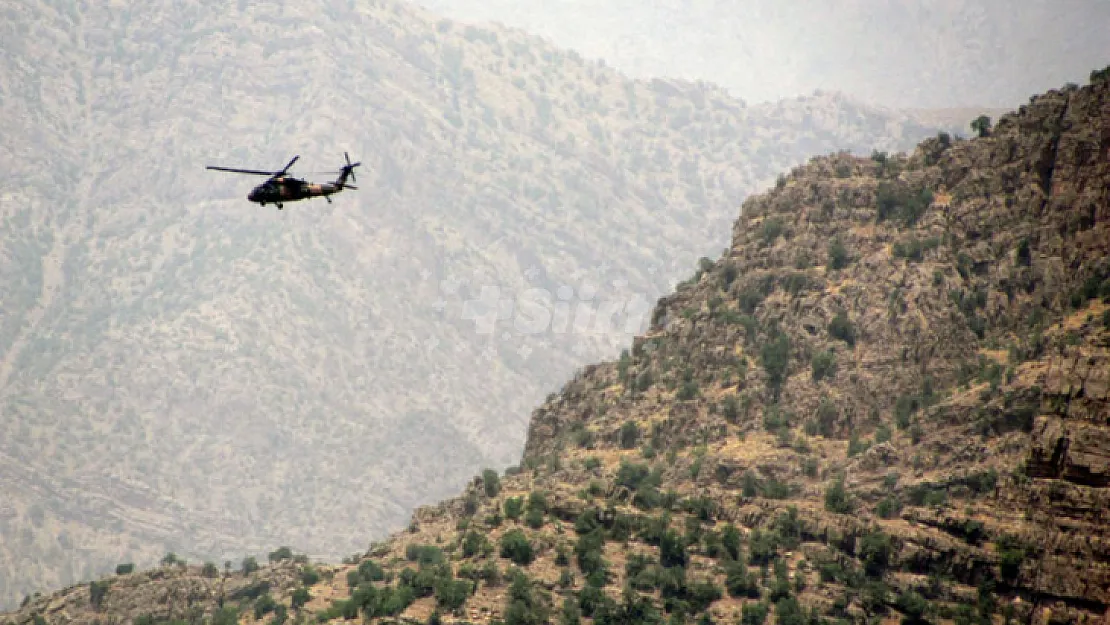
x=939 y=324
x=890 y=398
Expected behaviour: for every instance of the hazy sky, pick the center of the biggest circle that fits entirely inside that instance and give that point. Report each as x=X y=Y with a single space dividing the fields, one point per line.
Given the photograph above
x=904 y=53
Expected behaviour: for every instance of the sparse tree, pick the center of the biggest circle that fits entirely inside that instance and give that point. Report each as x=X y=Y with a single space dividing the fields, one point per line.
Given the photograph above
x=982 y=125
x=837 y=499
x=838 y=254
x=491 y=482
x=280 y=554
x=97 y=592
x=630 y=434
x=299 y=598
x=775 y=355
x=515 y=546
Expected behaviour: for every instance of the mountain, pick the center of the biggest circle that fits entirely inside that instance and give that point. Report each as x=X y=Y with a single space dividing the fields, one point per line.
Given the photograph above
x=183 y=371
x=912 y=53
x=886 y=400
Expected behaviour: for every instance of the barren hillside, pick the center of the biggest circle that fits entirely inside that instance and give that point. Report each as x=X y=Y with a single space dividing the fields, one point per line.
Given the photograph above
x=887 y=400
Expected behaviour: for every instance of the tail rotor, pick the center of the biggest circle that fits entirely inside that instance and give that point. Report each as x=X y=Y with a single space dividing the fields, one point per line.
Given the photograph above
x=348 y=170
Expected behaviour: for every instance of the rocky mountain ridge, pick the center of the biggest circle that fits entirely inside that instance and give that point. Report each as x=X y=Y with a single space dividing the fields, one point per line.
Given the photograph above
x=183 y=371
x=918 y=53
x=888 y=400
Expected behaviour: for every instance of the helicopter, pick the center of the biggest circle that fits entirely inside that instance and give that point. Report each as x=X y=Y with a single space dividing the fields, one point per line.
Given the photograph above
x=281 y=188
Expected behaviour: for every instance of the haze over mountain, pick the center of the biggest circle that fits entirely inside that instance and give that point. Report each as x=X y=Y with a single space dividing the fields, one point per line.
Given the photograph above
x=884 y=402
x=905 y=53
x=183 y=371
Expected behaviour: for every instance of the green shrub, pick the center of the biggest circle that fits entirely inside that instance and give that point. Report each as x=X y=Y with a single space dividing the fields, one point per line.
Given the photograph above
x=451 y=594
x=752 y=613
x=97 y=591
x=629 y=435
x=983 y=482
x=473 y=544
x=588 y=552
x=856 y=446
x=513 y=507
x=1011 y=555
x=838 y=254
x=771 y=229
x=837 y=498
x=688 y=391
x=299 y=598
x=842 y=328
x=672 y=550
x=749 y=299
x=730 y=408
x=775 y=356
x=424 y=554
x=875 y=551
x=888 y=508
x=809 y=467
x=982 y=125
x=534 y=518
x=904 y=407
x=913 y=249
x=264 y=605
x=761 y=547
x=515 y=546
x=914 y=606
x=827 y=417
x=281 y=554
x=824 y=365
x=895 y=200
x=227 y=615
x=1024 y=256
x=739 y=582
x=370 y=571
x=491 y=482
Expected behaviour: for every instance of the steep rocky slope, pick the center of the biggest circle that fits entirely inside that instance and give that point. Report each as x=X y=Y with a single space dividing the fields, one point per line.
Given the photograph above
x=181 y=370
x=889 y=399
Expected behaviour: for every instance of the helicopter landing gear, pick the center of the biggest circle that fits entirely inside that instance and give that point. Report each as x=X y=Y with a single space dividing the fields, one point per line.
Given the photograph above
x=328 y=199
x=279 y=205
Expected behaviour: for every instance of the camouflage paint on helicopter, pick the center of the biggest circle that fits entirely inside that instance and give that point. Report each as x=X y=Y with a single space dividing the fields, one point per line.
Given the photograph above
x=281 y=188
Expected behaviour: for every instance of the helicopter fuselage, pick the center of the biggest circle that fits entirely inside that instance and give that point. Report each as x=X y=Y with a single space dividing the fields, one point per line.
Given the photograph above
x=279 y=191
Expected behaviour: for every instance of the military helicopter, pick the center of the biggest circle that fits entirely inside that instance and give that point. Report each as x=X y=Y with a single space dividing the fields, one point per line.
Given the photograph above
x=281 y=188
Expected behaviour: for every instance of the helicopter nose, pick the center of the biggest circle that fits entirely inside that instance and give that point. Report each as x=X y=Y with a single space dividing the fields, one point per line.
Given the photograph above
x=253 y=195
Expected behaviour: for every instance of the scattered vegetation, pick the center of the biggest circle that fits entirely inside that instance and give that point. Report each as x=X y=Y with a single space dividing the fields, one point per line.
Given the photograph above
x=896 y=200
x=653 y=507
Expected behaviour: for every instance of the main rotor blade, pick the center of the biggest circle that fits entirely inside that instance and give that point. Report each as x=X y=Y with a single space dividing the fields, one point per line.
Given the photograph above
x=290 y=164
x=243 y=171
